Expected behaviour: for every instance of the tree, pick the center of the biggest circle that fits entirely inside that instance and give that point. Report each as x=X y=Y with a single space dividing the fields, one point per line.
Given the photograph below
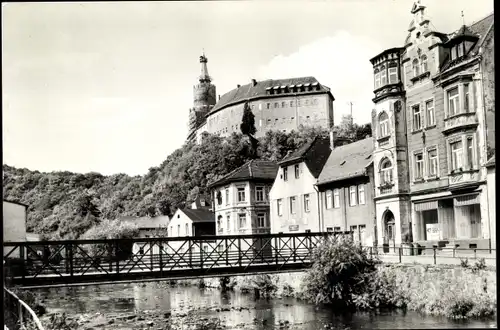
x=248 y=121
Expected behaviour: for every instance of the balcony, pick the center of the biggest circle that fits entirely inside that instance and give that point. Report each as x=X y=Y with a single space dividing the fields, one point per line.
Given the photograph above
x=460 y=121
x=460 y=178
x=386 y=188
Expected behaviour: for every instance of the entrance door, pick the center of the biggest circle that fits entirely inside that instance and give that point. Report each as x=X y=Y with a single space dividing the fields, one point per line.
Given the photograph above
x=389 y=230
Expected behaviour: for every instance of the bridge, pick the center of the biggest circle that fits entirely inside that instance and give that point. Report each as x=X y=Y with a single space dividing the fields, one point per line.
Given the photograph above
x=76 y=262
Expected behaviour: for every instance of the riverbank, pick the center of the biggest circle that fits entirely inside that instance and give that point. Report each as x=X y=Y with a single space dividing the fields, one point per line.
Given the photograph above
x=441 y=290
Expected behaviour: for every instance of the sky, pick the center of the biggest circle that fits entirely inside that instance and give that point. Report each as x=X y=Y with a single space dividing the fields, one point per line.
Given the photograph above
x=107 y=86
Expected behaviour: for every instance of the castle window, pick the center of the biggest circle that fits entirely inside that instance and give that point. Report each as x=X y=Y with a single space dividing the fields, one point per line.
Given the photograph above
x=298 y=103
x=416 y=68
x=276 y=105
x=377 y=79
x=291 y=104
x=307 y=102
x=417 y=117
x=383 y=124
x=393 y=75
x=383 y=76
x=268 y=105
x=424 y=63
x=282 y=104
x=385 y=171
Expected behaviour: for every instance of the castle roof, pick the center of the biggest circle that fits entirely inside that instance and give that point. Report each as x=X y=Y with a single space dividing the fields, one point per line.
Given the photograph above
x=347 y=161
x=260 y=89
x=251 y=170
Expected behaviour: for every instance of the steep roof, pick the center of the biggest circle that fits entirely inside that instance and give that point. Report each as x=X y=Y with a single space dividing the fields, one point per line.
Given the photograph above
x=479 y=30
x=314 y=154
x=347 y=161
x=249 y=91
x=199 y=215
x=490 y=162
x=251 y=170
x=147 y=222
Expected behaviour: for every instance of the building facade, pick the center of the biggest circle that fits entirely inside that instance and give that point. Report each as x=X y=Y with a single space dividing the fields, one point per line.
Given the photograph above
x=490 y=180
x=432 y=135
x=294 y=198
x=14 y=220
x=346 y=187
x=241 y=201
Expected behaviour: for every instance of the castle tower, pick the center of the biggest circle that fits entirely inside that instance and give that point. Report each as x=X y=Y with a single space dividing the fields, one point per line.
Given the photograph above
x=390 y=156
x=204 y=98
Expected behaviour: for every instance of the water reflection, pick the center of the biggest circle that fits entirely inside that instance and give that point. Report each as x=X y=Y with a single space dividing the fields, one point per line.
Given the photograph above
x=237 y=309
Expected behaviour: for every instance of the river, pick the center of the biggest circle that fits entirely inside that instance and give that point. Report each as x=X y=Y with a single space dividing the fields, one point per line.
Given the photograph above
x=235 y=310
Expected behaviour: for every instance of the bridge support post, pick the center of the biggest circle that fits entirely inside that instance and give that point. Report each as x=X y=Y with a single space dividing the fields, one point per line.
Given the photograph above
x=201 y=254
x=71 y=261
x=117 y=259
x=190 y=247
x=160 y=246
x=294 y=250
x=110 y=257
x=227 y=252
x=239 y=251
x=151 y=255
x=276 y=250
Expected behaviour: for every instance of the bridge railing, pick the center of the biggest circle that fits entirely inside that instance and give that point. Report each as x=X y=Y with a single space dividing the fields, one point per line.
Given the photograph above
x=29 y=260
x=17 y=314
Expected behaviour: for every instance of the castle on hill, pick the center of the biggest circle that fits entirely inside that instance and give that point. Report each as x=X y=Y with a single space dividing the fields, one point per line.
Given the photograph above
x=282 y=104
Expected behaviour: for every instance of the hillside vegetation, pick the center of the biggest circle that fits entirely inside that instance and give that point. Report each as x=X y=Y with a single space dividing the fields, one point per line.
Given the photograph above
x=66 y=205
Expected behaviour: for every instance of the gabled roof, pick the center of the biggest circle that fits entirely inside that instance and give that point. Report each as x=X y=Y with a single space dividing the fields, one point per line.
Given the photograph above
x=490 y=162
x=347 y=161
x=314 y=154
x=147 y=222
x=478 y=30
x=249 y=91
x=199 y=215
x=18 y=203
x=252 y=170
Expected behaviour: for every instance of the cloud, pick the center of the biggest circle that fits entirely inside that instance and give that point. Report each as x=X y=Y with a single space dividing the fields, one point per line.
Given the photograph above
x=341 y=62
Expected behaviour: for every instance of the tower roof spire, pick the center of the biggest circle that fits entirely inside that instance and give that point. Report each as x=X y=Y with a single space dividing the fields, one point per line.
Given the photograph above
x=204 y=77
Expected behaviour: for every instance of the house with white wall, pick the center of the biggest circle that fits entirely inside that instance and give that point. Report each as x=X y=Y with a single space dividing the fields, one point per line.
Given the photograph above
x=15 y=216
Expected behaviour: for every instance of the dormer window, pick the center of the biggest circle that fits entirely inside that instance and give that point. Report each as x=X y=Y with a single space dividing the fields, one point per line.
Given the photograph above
x=423 y=63
x=416 y=68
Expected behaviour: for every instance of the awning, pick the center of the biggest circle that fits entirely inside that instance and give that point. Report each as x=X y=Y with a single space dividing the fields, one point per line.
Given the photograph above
x=466 y=200
x=425 y=206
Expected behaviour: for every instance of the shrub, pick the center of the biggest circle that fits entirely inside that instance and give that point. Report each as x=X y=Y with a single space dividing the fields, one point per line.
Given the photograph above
x=201 y=283
x=264 y=285
x=61 y=322
x=287 y=290
x=464 y=263
x=340 y=270
x=479 y=265
x=225 y=283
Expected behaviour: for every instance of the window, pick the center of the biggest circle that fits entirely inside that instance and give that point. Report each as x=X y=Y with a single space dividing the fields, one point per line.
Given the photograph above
x=329 y=199
x=361 y=194
x=227 y=196
x=453 y=101
x=178 y=230
x=285 y=173
x=424 y=63
x=172 y=230
x=259 y=194
x=329 y=229
x=383 y=76
x=386 y=171
x=460 y=50
x=377 y=79
x=307 y=102
x=352 y=195
x=297 y=171
x=470 y=153
x=241 y=194
x=393 y=75
x=267 y=193
x=417 y=117
x=419 y=166
x=292 y=205
x=433 y=162
x=279 y=205
x=337 y=229
x=268 y=105
x=306 y=202
x=291 y=104
x=261 y=220
x=276 y=105
x=466 y=98
x=228 y=225
x=456 y=155
x=219 y=198
x=282 y=104
x=336 y=198
x=242 y=220
x=219 y=223
x=429 y=110
x=187 y=229
x=384 y=124
x=416 y=68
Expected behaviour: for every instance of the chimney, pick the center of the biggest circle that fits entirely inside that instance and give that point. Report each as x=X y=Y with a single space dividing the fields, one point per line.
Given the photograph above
x=219 y=97
x=333 y=137
x=238 y=86
x=254 y=82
